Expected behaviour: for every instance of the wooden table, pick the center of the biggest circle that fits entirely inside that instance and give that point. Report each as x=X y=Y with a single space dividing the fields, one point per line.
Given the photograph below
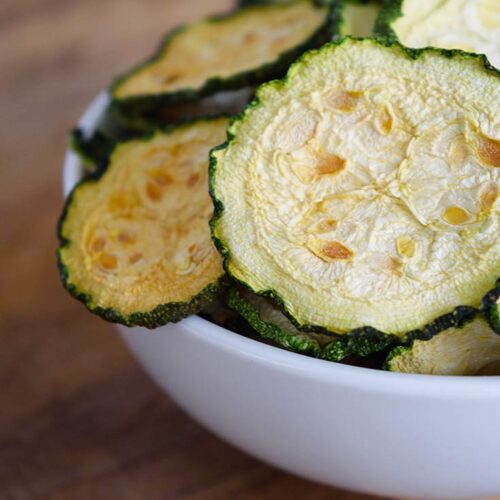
x=79 y=419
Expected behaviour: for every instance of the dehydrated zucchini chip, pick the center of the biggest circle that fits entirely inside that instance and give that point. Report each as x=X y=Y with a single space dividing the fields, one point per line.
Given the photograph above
x=362 y=190
x=244 y=48
x=470 y=25
x=470 y=350
x=135 y=244
x=358 y=18
x=271 y=324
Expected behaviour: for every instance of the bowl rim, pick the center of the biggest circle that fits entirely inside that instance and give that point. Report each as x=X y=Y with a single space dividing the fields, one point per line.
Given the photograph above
x=441 y=386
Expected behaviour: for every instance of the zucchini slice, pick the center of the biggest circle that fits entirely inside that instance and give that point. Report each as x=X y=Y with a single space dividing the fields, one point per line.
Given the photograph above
x=358 y=18
x=470 y=350
x=243 y=48
x=341 y=191
x=271 y=324
x=135 y=244
x=470 y=25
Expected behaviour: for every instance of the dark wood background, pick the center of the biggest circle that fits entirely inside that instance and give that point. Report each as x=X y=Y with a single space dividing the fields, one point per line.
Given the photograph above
x=78 y=417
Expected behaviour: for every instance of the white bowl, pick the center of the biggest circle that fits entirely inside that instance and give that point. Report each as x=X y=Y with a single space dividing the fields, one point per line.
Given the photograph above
x=360 y=429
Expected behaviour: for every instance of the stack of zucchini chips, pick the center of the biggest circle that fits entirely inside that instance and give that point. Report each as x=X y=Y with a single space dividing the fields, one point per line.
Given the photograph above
x=333 y=195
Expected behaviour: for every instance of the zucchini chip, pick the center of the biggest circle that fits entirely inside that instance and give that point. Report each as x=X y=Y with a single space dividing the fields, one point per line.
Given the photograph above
x=471 y=350
x=470 y=25
x=358 y=18
x=237 y=50
x=135 y=244
x=272 y=325
x=362 y=190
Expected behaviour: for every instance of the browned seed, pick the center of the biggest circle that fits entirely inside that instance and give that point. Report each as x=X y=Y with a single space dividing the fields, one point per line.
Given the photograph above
x=344 y=100
x=162 y=178
x=97 y=244
x=385 y=122
x=405 y=246
x=488 y=198
x=171 y=78
x=335 y=250
x=153 y=191
x=326 y=225
x=249 y=38
x=455 y=215
x=193 y=179
x=107 y=261
x=488 y=151
x=124 y=237
x=330 y=164
x=135 y=257
x=192 y=248
x=280 y=41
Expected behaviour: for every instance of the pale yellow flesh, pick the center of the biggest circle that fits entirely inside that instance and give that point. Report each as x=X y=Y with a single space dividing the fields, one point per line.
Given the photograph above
x=140 y=236
x=368 y=186
x=359 y=20
x=471 y=350
x=209 y=49
x=471 y=25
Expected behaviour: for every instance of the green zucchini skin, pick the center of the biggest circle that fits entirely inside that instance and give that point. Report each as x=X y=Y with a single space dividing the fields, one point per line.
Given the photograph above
x=329 y=346
x=162 y=314
x=93 y=150
x=142 y=105
x=390 y=12
x=456 y=318
x=491 y=305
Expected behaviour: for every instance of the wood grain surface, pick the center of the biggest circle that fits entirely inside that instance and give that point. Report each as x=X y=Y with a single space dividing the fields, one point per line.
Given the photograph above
x=79 y=419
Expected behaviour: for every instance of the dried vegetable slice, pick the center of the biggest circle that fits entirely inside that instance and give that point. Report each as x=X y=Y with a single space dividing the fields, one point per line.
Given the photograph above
x=135 y=244
x=238 y=50
x=362 y=190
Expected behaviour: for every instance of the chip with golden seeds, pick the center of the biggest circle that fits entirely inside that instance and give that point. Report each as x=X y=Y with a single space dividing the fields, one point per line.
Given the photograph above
x=362 y=190
x=247 y=47
x=135 y=241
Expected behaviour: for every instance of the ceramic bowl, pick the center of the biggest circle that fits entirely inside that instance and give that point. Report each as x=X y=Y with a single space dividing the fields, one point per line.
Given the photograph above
x=371 y=431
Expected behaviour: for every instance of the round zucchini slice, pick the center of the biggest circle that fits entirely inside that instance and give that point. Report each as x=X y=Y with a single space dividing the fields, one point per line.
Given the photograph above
x=135 y=243
x=362 y=190
x=470 y=25
x=271 y=324
x=237 y=50
x=358 y=18
x=471 y=350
